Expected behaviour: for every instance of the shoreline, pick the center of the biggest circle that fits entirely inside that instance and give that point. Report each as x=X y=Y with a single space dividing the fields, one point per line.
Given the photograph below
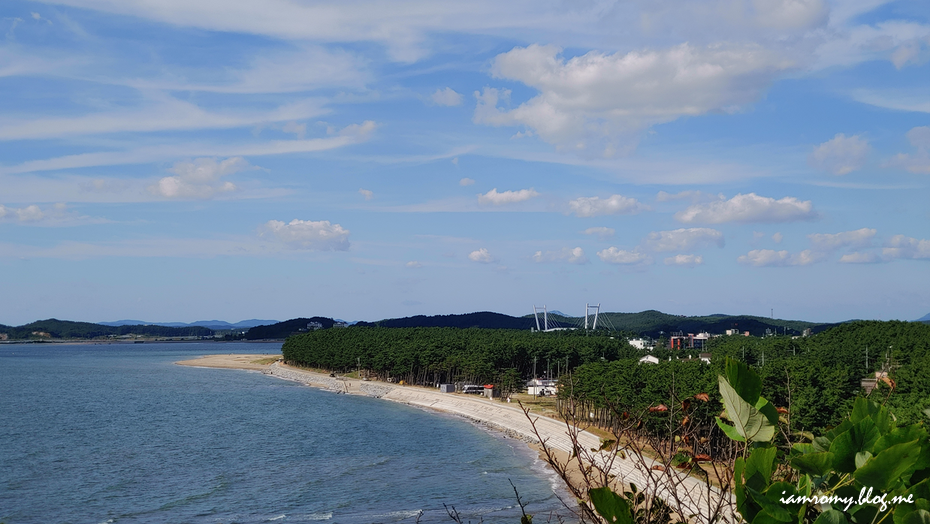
x=496 y=415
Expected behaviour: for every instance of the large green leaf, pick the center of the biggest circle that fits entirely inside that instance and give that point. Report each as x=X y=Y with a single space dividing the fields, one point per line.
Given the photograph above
x=751 y=423
x=816 y=464
x=730 y=431
x=920 y=494
x=761 y=460
x=918 y=517
x=907 y=434
x=885 y=469
x=864 y=408
x=859 y=437
x=612 y=507
x=745 y=507
x=774 y=508
x=831 y=516
x=744 y=381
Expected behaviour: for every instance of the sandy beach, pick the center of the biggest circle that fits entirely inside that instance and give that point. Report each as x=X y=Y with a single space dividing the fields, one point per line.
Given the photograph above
x=501 y=416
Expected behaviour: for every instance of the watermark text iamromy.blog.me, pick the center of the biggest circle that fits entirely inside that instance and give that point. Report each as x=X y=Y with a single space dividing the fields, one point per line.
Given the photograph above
x=865 y=497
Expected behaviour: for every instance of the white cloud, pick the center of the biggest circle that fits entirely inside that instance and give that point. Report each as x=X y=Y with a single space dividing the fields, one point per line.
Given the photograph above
x=684 y=260
x=911 y=52
x=789 y=14
x=860 y=258
x=602 y=233
x=308 y=234
x=613 y=205
x=900 y=246
x=606 y=99
x=684 y=239
x=352 y=134
x=692 y=195
x=572 y=256
x=613 y=255
x=769 y=257
x=777 y=238
x=56 y=215
x=919 y=162
x=749 y=208
x=366 y=193
x=840 y=155
x=831 y=242
x=446 y=97
x=466 y=182
x=293 y=127
x=507 y=197
x=199 y=178
x=481 y=255
x=413 y=264
x=161 y=113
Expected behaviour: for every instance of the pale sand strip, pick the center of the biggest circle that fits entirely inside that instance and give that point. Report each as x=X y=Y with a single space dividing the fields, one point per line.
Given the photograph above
x=507 y=418
x=231 y=361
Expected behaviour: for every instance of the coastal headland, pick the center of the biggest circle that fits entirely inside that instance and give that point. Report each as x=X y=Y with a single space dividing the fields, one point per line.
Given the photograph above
x=499 y=416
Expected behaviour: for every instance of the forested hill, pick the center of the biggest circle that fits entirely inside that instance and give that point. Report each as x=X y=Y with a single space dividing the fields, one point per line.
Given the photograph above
x=655 y=323
x=63 y=329
x=286 y=328
x=648 y=323
x=482 y=319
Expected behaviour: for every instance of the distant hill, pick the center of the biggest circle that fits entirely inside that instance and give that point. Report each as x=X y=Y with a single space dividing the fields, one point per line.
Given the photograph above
x=64 y=329
x=654 y=323
x=210 y=324
x=286 y=328
x=925 y=318
x=483 y=319
x=648 y=323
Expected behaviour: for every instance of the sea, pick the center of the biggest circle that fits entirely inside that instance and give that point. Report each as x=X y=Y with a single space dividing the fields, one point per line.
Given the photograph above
x=100 y=434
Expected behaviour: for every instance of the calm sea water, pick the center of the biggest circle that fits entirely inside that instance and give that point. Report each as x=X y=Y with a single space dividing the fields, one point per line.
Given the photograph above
x=119 y=434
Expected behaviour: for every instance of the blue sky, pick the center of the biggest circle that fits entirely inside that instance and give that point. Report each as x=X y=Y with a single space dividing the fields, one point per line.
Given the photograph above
x=198 y=159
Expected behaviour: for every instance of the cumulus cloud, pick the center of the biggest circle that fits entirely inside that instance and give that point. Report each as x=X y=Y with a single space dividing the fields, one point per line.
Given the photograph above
x=446 y=97
x=413 y=264
x=613 y=255
x=366 y=193
x=749 y=208
x=482 y=256
x=831 y=242
x=840 y=155
x=602 y=233
x=307 y=234
x=777 y=238
x=507 y=197
x=599 y=98
x=684 y=239
x=684 y=260
x=572 y=256
x=199 y=178
x=613 y=205
x=919 y=162
x=466 y=182
x=769 y=257
x=900 y=246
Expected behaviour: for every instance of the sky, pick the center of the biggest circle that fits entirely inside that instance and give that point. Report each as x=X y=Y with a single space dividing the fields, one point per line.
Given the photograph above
x=182 y=160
